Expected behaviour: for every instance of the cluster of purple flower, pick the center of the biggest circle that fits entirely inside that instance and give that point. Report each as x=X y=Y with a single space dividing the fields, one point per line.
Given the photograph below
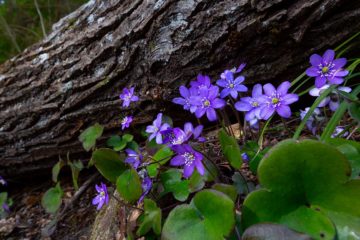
x=263 y=106
x=127 y=96
x=203 y=97
x=327 y=71
x=178 y=140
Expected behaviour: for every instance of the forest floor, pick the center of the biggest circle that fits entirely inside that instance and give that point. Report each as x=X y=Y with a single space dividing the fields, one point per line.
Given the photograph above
x=28 y=219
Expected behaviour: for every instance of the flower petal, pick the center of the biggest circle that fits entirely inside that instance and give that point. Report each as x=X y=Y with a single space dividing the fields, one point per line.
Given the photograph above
x=225 y=92
x=269 y=89
x=222 y=83
x=218 y=103
x=333 y=105
x=328 y=56
x=180 y=101
x=243 y=106
x=211 y=114
x=200 y=167
x=241 y=88
x=341 y=73
x=290 y=98
x=234 y=93
x=283 y=88
x=239 y=80
x=336 y=80
x=266 y=112
x=284 y=111
x=177 y=161
x=257 y=91
x=184 y=92
x=188 y=170
x=339 y=63
x=315 y=60
x=320 y=81
x=312 y=71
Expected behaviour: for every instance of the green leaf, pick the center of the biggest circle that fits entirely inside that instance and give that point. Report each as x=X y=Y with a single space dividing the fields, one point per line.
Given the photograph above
x=75 y=167
x=129 y=186
x=128 y=137
x=51 y=200
x=229 y=190
x=3 y=198
x=56 y=170
x=89 y=136
x=270 y=231
x=152 y=218
x=116 y=143
x=133 y=145
x=240 y=184
x=351 y=150
x=109 y=163
x=211 y=216
x=162 y=156
x=305 y=185
x=196 y=182
x=231 y=149
x=171 y=180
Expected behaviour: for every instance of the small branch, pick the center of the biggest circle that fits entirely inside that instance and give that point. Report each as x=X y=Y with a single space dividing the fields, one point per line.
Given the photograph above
x=41 y=18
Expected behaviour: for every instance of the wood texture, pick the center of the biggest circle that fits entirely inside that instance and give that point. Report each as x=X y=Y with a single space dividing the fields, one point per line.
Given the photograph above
x=72 y=79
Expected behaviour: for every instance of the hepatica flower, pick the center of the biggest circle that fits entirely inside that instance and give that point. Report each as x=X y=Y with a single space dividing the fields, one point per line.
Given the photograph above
x=146 y=187
x=206 y=102
x=128 y=96
x=133 y=158
x=185 y=98
x=202 y=83
x=230 y=85
x=327 y=69
x=314 y=120
x=251 y=105
x=156 y=129
x=339 y=130
x=333 y=100
x=2 y=181
x=276 y=100
x=125 y=122
x=174 y=136
x=102 y=197
x=189 y=158
x=190 y=131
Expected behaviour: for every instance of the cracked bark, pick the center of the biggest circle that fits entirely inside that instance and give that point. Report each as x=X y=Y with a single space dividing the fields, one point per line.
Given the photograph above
x=70 y=80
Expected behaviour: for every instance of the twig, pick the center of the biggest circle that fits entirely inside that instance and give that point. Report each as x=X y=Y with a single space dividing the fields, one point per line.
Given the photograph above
x=41 y=18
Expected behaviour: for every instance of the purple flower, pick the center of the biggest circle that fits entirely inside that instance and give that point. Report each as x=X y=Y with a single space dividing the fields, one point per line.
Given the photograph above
x=276 y=100
x=174 y=136
x=195 y=132
x=156 y=129
x=146 y=187
x=314 y=120
x=102 y=196
x=189 y=158
x=133 y=158
x=125 y=122
x=326 y=68
x=251 y=105
x=128 y=96
x=2 y=181
x=207 y=102
x=202 y=83
x=333 y=99
x=338 y=130
x=234 y=70
x=6 y=207
x=185 y=99
x=245 y=157
x=231 y=86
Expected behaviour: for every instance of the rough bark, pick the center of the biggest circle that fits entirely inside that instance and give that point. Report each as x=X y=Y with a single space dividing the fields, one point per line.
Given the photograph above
x=72 y=79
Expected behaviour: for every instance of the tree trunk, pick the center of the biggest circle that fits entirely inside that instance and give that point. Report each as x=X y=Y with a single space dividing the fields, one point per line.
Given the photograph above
x=72 y=79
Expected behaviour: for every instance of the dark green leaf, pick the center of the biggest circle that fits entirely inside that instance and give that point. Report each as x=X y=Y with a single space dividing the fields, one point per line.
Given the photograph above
x=172 y=182
x=229 y=190
x=51 y=200
x=128 y=137
x=211 y=216
x=231 y=149
x=116 y=142
x=89 y=136
x=109 y=163
x=56 y=170
x=129 y=186
x=240 y=184
x=152 y=218
x=354 y=111
x=307 y=188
